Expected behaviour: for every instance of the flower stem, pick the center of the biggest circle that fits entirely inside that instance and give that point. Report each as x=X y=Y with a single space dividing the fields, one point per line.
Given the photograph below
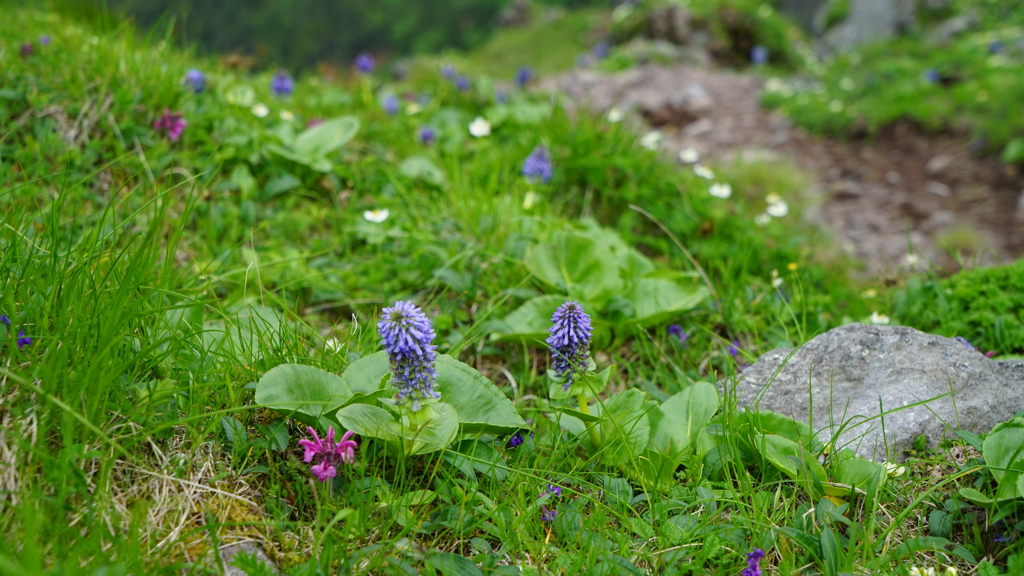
x=595 y=438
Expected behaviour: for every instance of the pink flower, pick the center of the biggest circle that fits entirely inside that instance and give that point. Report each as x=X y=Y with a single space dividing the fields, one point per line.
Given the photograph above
x=172 y=123
x=329 y=452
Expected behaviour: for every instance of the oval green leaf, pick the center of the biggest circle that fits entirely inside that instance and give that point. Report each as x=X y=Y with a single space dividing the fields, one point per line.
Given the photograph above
x=301 y=392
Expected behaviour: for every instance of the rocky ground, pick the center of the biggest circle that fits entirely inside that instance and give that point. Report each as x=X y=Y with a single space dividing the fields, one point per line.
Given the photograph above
x=899 y=200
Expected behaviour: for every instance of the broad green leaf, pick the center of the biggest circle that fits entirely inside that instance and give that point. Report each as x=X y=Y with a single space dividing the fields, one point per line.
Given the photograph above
x=245 y=181
x=676 y=423
x=831 y=551
x=421 y=168
x=302 y=392
x=571 y=424
x=449 y=564
x=371 y=421
x=657 y=469
x=279 y=185
x=778 y=424
x=480 y=405
x=793 y=460
x=1003 y=449
x=327 y=137
x=577 y=265
x=657 y=299
x=625 y=429
x=366 y=375
x=532 y=320
x=235 y=432
x=436 y=434
x=477 y=456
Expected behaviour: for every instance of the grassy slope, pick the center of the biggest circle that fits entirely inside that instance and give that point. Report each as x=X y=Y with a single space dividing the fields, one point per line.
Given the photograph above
x=157 y=279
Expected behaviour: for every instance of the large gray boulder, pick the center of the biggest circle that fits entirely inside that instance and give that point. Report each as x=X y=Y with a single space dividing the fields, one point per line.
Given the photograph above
x=855 y=372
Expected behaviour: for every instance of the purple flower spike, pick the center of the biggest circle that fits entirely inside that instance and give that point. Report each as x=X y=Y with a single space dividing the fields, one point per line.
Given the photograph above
x=282 y=84
x=758 y=55
x=408 y=339
x=523 y=76
x=569 y=341
x=391 y=105
x=537 y=166
x=427 y=135
x=547 y=515
x=463 y=83
x=172 y=123
x=196 y=80
x=365 y=63
x=331 y=454
x=753 y=563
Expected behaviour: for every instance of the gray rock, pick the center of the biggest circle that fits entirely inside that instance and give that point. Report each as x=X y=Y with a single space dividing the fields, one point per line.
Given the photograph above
x=868 y=21
x=228 y=553
x=853 y=370
x=954 y=27
x=671 y=23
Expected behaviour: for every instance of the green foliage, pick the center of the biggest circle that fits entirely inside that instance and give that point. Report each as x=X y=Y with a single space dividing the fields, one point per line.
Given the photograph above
x=985 y=306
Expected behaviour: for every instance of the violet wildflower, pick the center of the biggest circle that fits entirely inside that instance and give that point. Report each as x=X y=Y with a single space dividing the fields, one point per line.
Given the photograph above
x=365 y=63
x=448 y=71
x=996 y=46
x=329 y=453
x=282 y=84
x=523 y=76
x=23 y=340
x=537 y=166
x=4 y=319
x=408 y=338
x=391 y=105
x=555 y=491
x=463 y=83
x=547 y=515
x=931 y=76
x=569 y=341
x=600 y=50
x=758 y=55
x=753 y=563
x=677 y=331
x=516 y=440
x=172 y=123
x=44 y=40
x=26 y=50
x=427 y=135
x=196 y=80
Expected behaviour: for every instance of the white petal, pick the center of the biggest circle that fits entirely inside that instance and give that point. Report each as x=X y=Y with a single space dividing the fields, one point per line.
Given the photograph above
x=689 y=155
x=778 y=209
x=376 y=216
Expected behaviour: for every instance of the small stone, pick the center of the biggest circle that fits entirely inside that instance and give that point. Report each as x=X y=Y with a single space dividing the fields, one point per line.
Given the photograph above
x=939 y=189
x=228 y=553
x=938 y=164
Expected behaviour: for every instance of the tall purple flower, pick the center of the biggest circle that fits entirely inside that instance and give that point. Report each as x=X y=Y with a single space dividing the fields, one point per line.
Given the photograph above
x=463 y=83
x=365 y=63
x=330 y=453
x=196 y=80
x=569 y=341
x=753 y=563
x=282 y=84
x=172 y=123
x=758 y=55
x=523 y=76
x=537 y=166
x=408 y=339
x=427 y=135
x=391 y=104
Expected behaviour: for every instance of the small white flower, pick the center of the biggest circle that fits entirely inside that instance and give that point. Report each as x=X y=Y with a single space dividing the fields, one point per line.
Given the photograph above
x=762 y=219
x=719 y=190
x=530 y=200
x=376 y=215
x=287 y=116
x=778 y=209
x=951 y=571
x=894 y=470
x=912 y=259
x=776 y=279
x=414 y=108
x=880 y=319
x=332 y=345
x=689 y=155
x=772 y=198
x=615 y=115
x=260 y=110
x=480 y=127
x=651 y=140
x=703 y=172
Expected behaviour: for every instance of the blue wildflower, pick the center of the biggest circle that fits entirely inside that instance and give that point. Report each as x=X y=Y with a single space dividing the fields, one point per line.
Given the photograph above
x=554 y=490
x=569 y=341
x=600 y=50
x=408 y=338
x=365 y=63
x=463 y=83
x=391 y=104
x=5 y=319
x=758 y=55
x=995 y=47
x=282 y=84
x=516 y=440
x=677 y=331
x=448 y=71
x=931 y=76
x=44 y=39
x=196 y=80
x=523 y=76
x=547 y=515
x=427 y=135
x=23 y=340
x=537 y=166
x=753 y=563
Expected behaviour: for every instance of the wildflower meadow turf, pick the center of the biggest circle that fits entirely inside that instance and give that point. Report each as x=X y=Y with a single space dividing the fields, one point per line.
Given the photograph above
x=301 y=323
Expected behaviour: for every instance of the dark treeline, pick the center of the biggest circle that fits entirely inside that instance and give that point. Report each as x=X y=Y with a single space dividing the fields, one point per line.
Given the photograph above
x=301 y=33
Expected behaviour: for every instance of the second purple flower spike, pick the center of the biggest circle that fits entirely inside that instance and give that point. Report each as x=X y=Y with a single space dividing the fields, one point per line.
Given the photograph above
x=569 y=341
x=408 y=338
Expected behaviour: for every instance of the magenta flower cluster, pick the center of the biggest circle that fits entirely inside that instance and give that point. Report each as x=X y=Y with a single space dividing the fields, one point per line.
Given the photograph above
x=172 y=123
x=569 y=341
x=408 y=339
x=328 y=453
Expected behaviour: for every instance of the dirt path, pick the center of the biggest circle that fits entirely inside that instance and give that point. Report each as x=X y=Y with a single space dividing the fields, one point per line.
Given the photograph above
x=877 y=197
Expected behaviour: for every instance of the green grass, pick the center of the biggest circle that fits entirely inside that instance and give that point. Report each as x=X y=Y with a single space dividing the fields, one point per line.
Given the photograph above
x=157 y=280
